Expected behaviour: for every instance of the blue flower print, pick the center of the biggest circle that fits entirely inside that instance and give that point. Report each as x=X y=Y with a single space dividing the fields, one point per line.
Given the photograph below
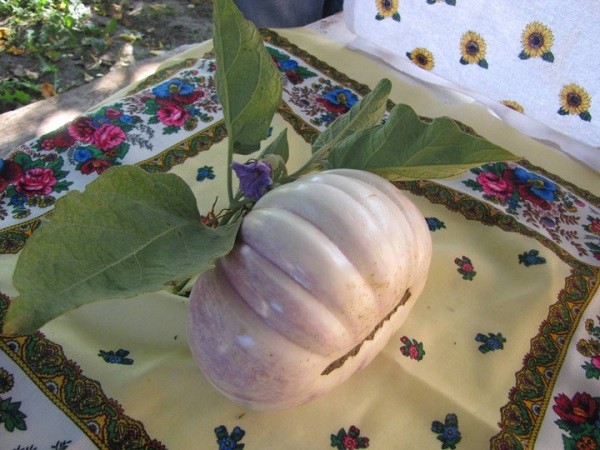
x=491 y=342
x=434 y=223
x=531 y=258
x=100 y=120
x=18 y=200
x=228 y=441
x=288 y=64
x=451 y=434
x=205 y=173
x=171 y=87
x=118 y=357
x=341 y=97
x=126 y=118
x=538 y=185
x=448 y=432
x=82 y=154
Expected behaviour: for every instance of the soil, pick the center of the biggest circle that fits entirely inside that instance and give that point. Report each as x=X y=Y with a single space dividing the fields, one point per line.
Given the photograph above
x=144 y=29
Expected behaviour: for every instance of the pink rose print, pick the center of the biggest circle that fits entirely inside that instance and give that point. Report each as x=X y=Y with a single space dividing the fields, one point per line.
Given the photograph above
x=594 y=226
x=59 y=140
x=413 y=352
x=412 y=348
x=36 y=182
x=108 y=136
x=465 y=268
x=82 y=129
x=112 y=113
x=349 y=442
x=172 y=114
x=493 y=184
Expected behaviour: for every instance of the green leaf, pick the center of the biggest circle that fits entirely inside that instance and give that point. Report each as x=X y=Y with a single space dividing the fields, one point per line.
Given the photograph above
x=11 y=415
x=279 y=147
x=569 y=443
x=111 y=27
x=22 y=159
x=366 y=113
x=129 y=232
x=406 y=147
x=248 y=82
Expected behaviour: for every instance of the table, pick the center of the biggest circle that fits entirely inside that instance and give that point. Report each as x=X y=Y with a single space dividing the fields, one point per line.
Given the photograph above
x=501 y=350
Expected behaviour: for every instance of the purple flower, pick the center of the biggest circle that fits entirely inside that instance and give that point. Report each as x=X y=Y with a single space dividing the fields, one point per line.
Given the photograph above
x=255 y=177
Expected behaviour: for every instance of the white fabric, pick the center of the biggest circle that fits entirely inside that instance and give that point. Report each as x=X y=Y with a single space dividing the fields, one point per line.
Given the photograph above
x=535 y=83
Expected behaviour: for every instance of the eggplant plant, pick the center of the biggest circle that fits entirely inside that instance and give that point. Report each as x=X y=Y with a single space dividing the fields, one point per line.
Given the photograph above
x=303 y=278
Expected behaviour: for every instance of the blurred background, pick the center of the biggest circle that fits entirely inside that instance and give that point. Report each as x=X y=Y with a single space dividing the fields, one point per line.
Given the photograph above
x=48 y=47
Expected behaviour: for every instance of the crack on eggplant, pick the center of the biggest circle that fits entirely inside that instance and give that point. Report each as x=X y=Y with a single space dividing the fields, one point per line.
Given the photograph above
x=340 y=361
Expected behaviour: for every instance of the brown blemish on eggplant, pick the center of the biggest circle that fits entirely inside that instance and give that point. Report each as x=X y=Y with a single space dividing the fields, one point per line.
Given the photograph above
x=340 y=361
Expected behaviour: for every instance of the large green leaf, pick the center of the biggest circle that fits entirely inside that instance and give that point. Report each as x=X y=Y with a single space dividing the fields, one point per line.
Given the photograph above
x=364 y=114
x=129 y=232
x=406 y=147
x=248 y=83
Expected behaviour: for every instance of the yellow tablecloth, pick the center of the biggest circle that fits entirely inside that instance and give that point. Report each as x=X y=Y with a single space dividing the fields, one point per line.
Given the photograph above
x=501 y=350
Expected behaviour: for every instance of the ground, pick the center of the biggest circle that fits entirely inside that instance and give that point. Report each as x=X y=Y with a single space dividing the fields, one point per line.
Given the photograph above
x=134 y=30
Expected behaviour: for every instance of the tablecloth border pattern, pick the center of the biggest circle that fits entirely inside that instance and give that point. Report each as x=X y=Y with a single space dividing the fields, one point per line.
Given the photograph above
x=62 y=382
x=522 y=415
x=468 y=206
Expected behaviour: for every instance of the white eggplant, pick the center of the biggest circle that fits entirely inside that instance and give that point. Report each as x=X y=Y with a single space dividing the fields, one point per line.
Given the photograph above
x=325 y=271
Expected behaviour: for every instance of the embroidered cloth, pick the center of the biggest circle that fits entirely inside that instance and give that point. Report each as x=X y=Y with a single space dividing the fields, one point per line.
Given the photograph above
x=502 y=349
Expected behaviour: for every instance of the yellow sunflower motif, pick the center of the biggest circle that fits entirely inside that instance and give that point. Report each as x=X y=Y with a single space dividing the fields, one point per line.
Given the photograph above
x=386 y=9
x=575 y=100
x=537 y=40
x=422 y=58
x=472 y=49
x=513 y=105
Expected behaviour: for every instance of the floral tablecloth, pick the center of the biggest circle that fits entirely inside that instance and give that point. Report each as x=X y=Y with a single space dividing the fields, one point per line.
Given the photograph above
x=502 y=350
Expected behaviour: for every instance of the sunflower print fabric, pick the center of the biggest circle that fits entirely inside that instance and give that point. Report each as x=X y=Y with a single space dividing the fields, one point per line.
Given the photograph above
x=422 y=57
x=513 y=105
x=541 y=62
x=387 y=9
x=473 y=49
x=575 y=100
x=537 y=40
